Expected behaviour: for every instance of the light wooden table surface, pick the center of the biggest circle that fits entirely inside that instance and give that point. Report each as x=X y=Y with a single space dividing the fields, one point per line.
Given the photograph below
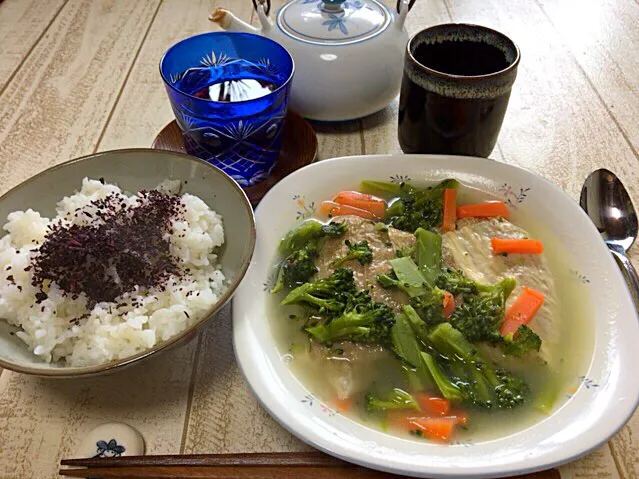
x=79 y=76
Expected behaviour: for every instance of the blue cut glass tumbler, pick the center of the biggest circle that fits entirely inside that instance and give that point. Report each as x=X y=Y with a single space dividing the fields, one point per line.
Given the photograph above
x=229 y=92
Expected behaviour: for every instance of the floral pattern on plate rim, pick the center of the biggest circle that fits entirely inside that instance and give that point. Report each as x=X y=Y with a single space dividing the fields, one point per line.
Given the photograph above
x=588 y=383
x=583 y=279
x=306 y=210
x=513 y=197
x=310 y=400
x=270 y=281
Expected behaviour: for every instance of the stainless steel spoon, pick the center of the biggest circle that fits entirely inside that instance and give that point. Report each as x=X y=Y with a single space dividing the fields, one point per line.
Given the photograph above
x=607 y=203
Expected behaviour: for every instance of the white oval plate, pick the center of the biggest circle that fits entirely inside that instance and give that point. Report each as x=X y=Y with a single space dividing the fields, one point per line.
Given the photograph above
x=609 y=388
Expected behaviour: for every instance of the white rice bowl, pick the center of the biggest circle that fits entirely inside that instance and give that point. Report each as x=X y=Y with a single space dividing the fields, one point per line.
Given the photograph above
x=111 y=330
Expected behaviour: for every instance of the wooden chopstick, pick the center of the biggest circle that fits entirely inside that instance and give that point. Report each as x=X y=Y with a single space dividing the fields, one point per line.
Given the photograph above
x=307 y=465
x=288 y=459
x=311 y=465
x=203 y=472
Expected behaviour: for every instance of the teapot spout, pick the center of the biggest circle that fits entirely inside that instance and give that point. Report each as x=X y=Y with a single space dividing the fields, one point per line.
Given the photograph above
x=403 y=11
x=227 y=21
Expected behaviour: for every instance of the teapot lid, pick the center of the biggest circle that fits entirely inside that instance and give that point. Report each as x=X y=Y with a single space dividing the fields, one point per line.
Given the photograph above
x=333 y=22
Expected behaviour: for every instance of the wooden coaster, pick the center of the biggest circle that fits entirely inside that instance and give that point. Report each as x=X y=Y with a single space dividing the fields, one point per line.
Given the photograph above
x=299 y=148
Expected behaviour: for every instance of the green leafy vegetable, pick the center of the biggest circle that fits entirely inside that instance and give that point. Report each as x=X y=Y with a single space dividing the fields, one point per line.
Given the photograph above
x=406 y=276
x=326 y=294
x=428 y=254
x=415 y=207
x=360 y=252
x=479 y=384
x=397 y=399
x=301 y=246
x=521 y=342
x=361 y=321
x=479 y=316
x=309 y=232
x=297 y=268
x=407 y=347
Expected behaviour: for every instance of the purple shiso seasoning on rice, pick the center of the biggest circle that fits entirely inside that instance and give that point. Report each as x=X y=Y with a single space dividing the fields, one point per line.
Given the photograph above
x=111 y=274
x=128 y=248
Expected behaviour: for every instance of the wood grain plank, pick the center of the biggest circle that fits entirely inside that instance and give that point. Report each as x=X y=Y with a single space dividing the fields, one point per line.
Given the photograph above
x=599 y=464
x=223 y=404
x=22 y=24
x=55 y=108
x=143 y=109
x=625 y=446
x=600 y=42
x=57 y=103
x=555 y=125
x=558 y=126
x=42 y=421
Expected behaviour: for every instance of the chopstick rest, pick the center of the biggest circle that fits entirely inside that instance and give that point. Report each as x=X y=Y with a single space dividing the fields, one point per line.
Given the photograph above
x=113 y=439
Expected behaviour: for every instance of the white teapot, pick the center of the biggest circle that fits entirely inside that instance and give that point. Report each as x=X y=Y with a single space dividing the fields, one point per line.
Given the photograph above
x=348 y=54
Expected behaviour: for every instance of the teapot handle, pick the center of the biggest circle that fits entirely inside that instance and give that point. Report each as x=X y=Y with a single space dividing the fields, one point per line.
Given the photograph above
x=398 y=8
x=266 y=4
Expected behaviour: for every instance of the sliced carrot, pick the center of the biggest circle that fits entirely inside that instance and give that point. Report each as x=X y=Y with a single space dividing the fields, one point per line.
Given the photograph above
x=450 y=209
x=343 y=405
x=522 y=310
x=520 y=246
x=448 y=304
x=462 y=417
x=371 y=203
x=433 y=405
x=483 y=210
x=330 y=208
x=441 y=428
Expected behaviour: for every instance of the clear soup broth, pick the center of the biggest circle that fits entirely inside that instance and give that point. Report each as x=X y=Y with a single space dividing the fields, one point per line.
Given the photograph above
x=341 y=375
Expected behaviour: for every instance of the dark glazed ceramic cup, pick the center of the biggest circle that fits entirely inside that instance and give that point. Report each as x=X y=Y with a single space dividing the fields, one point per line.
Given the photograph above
x=455 y=90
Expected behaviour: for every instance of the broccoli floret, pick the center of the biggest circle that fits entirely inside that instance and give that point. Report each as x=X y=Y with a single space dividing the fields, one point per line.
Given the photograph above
x=397 y=399
x=511 y=391
x=328 y=294
x=360 y=252
x=456 y=283
x=481 y=313
x=362 y=321
x=334 y=228
x=429 y=306
x=301 y=236
x=309 y=231
x=418 y=208
x=521 y=342
x=296 y=269
x=301 y=246
x=479 y=384
x=479 y=316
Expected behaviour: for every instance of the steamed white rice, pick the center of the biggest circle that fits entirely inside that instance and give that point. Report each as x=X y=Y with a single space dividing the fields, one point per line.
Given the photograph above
x=109 y=332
